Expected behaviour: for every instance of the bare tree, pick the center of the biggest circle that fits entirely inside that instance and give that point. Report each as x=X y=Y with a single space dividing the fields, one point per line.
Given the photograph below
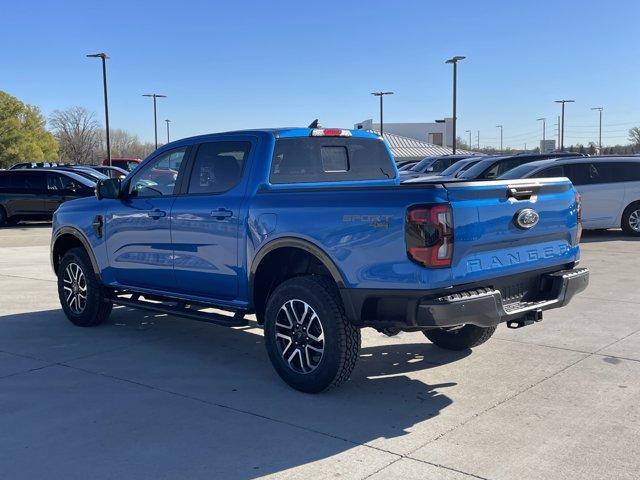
x=78 y=134
x=125 y=144
x=634 y=135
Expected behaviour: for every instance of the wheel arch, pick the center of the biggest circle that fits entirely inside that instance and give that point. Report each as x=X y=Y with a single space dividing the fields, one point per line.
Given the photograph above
x=67 y=238
x=287 y=246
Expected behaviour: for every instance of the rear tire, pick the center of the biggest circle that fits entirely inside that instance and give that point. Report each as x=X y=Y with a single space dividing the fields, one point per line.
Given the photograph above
x=461 y=338
x=310 y=342
x=81 y=295
x=3 y=217
x=631 y=220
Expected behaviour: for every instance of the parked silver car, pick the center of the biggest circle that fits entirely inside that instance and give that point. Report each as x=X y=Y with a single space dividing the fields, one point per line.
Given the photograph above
x=609 y=186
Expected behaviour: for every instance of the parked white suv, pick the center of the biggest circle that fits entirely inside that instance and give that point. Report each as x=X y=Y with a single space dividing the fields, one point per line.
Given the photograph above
x=609 y=186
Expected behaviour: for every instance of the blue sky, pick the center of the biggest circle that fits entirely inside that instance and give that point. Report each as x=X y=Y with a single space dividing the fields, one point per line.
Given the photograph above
x=246 y=64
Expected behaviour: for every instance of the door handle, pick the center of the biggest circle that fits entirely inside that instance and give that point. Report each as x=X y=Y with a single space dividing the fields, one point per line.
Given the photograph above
x=156 y=214
x=221 y=213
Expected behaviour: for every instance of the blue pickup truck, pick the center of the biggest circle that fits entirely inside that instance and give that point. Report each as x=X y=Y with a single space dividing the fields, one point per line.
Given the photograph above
x=311 y=230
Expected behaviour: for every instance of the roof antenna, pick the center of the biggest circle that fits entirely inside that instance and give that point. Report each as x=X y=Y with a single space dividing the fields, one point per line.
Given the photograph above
x=314 y=124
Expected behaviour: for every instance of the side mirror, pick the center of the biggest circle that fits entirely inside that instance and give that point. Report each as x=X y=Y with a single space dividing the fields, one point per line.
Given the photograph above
x=108 y=188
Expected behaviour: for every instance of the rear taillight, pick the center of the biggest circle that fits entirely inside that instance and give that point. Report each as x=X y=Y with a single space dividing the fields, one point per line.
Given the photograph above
x=330 y=132
x=578 y=217
x=429 y=235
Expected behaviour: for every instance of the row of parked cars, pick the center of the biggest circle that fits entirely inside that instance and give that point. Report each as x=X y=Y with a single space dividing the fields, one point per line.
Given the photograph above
x=609 y=186
x=33 y=191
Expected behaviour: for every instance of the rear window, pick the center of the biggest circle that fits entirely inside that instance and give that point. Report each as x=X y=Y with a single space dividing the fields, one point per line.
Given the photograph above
x=4 y=180
x=22 y=180
x=329 y=159
x=626 y=171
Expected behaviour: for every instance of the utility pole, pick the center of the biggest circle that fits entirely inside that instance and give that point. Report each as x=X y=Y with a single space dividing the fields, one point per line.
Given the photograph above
x=500 y=127
x=478 y=139
x=562 y=102
x=454 y=61
x=155 y=113
x=168 y=122
x=469 y=132
x=558 y=124
x=599 y=130
x=104 y=57
x=381 y=94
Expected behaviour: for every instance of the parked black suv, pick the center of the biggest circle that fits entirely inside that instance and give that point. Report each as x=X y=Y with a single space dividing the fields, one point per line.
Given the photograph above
x=492 y=167
x=34 y=194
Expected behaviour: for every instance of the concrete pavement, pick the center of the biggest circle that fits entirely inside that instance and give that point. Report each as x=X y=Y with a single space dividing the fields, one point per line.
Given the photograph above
x=151 y=396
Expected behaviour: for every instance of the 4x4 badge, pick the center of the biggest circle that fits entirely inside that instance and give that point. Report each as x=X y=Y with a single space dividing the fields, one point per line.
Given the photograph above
x=526 y=218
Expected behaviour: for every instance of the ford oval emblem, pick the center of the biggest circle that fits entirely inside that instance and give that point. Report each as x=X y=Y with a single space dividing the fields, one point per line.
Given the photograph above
x=526 y=218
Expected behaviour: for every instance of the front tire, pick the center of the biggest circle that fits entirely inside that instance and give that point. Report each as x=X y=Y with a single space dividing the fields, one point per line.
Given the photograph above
x=310 y=342
x=631 y=220
x=81 y=295
x=459 y=338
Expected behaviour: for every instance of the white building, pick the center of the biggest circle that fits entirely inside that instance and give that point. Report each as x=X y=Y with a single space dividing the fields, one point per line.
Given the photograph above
x=438 y=133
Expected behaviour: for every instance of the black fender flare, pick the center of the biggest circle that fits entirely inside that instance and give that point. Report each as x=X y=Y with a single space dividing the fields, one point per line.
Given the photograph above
x=294 y=242
x=81 y=237
x=302 y=244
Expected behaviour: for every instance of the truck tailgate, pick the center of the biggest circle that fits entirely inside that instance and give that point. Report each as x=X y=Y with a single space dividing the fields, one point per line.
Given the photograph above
x=489 y=242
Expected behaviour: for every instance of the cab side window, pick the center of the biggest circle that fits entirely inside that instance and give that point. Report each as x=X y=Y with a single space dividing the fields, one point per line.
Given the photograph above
x=551 y=172
x=588 y=173
x=27 y=182
x=502 y=167
x=218 y=167
x=57 y=182
x=158 y=177
x=437 y=166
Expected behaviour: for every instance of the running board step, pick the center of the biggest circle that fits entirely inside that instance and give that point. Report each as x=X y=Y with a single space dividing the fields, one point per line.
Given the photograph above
x=180 y=308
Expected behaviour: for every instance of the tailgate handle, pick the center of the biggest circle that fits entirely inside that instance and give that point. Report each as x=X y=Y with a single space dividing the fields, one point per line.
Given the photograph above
x=523 y=192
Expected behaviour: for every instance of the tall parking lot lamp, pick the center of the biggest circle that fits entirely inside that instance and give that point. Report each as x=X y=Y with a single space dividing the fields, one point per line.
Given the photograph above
x=155 y=114
x=544 y=121
x=104 y=57
x=454 y=61
x=500 y=127
x=562 y=102
x=381 y=94
x=469 y=132
x=168 y=122
x=599 y=129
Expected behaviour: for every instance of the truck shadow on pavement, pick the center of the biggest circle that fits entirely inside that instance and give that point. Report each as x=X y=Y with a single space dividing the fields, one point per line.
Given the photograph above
x=232 y=417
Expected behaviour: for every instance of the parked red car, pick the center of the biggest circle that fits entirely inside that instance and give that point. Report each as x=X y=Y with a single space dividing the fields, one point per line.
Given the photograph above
x=126 y=163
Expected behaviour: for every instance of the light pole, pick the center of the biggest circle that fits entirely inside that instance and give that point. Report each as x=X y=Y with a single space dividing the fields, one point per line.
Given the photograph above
x=155 y=115
x=544 y=122
x=454 y=61
x=381 y=94
x=478 y=140
x=104 y=57
x=168 y=122
x=469 y=132
x=599 y=129
x=562 y=102
x=500 y=127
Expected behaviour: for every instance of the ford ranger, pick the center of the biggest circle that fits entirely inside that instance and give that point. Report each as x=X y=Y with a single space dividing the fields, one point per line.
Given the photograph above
x=311 y=230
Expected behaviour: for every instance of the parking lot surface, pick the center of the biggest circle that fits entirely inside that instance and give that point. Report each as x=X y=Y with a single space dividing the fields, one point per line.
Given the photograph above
x=152 y=396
